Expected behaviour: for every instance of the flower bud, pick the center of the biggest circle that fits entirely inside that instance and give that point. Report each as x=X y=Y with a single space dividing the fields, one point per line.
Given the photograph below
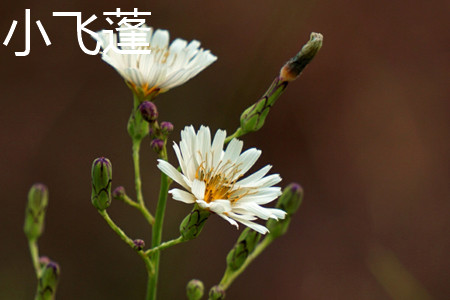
x=289 y=201
x=216 y=293
x=35 y=211
x=166 y=128
x=253 y=118
x=291 y=198
x=119 y=193
x=139 y=244
x=157 y=145
x=194 y=289
x=245 y=245
x=193 y=223
x=101 y=183
x=138 y=128
x=292 y=69
x=48 y=282
x=148 y=111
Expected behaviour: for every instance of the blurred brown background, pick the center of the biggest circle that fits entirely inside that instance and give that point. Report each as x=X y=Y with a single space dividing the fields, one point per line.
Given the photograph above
x=364 y=130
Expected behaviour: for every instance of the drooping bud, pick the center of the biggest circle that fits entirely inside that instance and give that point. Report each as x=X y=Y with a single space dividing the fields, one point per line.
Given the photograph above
x=139 y=244
x=195 y=289
x=216 y=293
x=35 y=211
x=157 y=145
x=289 y=201
x=193 y=223
x=119 y=193
x=166 y=128
x=101 y=183
x=245 y=245
x=148 y=111
x=292 y=69
x=48 y=282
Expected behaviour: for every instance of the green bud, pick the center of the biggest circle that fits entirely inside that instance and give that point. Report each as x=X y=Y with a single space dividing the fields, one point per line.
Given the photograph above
x=245 y=245
x=292 y=69
x=195 y=289
x=278 y=228
x=101 y=183
x=289 y=201
x=216 y=293
x=137 y=127
x=193 y=223
x=35 y=211
x=48 y=282
x=291 y=198
x=253 y=118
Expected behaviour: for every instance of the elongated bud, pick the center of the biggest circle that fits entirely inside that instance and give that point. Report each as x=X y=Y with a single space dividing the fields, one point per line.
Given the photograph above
x=48 y=282
x=216 y=293
x=193 y=223
x=292 y=69
x=289 y=201
x=253 y=118
x=148 y=111
x=101 y=183
x=245 y=245
x=35 y=211
x=194 y=289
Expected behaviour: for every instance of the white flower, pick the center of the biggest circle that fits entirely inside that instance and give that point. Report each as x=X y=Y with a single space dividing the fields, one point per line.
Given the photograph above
x=213 y=179
x=163 y=68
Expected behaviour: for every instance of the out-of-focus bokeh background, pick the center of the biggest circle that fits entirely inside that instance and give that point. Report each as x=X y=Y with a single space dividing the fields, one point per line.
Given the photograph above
x=364 y=130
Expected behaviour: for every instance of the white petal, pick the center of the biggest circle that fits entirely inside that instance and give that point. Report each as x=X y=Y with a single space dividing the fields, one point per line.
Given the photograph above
x=173 y=173
x=198 y=189
x=182 y=196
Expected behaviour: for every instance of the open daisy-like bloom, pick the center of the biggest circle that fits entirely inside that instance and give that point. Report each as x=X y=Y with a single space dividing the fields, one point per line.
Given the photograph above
x=149 y=73
x=213 y=178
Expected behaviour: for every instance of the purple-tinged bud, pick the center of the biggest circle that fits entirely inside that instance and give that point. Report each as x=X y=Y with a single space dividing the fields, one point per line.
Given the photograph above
x=195 y=289
x=48 y=281
x=148 y=111
x=119 y=193
x=157 y=145
x=139 y=244
x=216 y=293
x=166 y=127
x=101 y=183
x=35 y=211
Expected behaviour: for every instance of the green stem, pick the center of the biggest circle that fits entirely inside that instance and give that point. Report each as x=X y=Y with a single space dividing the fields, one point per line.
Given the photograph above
x=137 y=172
x=140 y=205
x=236 y=134
x=230 y=276
x=165 y=245
x=34 y=251
x=157 y=230
x=128 y=241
